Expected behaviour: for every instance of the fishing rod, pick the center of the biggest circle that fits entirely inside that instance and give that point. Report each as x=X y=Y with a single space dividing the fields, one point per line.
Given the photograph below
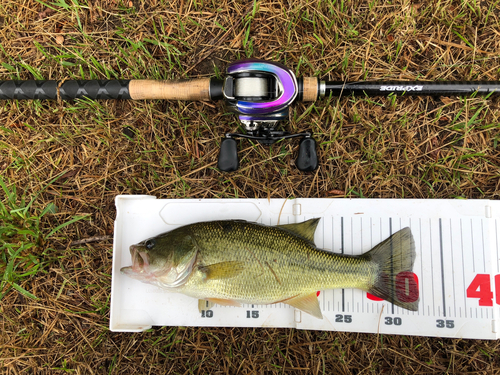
x=258 y=91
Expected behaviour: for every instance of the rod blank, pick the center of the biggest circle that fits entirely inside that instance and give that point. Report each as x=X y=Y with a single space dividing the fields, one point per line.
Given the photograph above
x=384 y=88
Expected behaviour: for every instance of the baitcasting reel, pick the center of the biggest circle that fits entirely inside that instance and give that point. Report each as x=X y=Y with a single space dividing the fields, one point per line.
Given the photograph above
x=261 y=92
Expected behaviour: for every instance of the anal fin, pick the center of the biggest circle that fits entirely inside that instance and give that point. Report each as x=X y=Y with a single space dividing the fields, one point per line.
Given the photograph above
x=204 y=304
x=306 y=302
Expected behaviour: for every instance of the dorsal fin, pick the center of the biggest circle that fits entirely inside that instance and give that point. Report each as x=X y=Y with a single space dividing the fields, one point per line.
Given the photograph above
x=306 y=229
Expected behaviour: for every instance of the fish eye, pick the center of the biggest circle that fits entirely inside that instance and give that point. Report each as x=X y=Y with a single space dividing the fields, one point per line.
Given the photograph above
x=149 y=244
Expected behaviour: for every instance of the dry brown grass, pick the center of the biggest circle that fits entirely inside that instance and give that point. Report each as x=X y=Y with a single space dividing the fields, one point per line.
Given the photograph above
x=409 y=147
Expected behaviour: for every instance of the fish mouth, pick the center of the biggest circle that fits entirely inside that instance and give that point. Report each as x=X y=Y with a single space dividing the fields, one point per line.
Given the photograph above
x=140 y=261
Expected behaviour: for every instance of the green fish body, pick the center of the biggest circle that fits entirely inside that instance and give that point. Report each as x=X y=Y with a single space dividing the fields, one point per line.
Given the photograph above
x=236 y=262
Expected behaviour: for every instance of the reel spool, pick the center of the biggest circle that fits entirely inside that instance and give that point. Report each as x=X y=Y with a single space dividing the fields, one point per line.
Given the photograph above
x=261 y=92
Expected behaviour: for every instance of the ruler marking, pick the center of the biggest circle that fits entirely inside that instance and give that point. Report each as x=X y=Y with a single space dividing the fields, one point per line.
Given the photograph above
x=421 y=262
x=362 y=294
x=413 y=261
x=351 y=253
x=323 y=242
x=342 y=251
x=324 y=299
x=343 y=300
x=333 y=244
x=392 y=267
x=371 y=247
x=496 y=235
x=323 y=236
x=442 y=265
x=463 y=267
x=432 y=268
x=400 y=310
x=482 y=240
x=472 y=247
x=453 y=271
x=380 y=239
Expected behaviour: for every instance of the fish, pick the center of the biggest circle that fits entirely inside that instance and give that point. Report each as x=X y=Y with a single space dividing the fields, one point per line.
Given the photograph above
x=235 y=262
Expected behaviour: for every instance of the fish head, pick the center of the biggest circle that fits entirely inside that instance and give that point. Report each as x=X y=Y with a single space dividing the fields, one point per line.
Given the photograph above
x=166 y=260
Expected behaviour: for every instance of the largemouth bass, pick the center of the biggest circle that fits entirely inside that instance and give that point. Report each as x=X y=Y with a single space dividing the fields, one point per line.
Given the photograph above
x=236 y=262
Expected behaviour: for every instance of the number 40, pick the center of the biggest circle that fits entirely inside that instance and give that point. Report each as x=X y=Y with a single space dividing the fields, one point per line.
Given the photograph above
x=480 y=288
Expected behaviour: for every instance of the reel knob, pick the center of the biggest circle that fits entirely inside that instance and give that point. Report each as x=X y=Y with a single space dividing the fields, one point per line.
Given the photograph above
x=228 y=156
x=307 y=161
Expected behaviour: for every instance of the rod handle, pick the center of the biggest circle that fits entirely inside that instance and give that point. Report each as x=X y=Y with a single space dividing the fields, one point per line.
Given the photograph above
x=194 y=89
x=308 y=89
x=65 y=90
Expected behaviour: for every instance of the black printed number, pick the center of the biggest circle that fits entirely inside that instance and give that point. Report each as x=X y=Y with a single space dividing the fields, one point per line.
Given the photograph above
x=343 y=318
x=207 y=314
x=397 y=321
x=252 y=314
x=440 y=323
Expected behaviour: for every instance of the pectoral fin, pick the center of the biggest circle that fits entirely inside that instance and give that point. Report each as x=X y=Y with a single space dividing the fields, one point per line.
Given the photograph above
x=223 y=270
x=308 y=303
x=207 y=304
x=305 y=229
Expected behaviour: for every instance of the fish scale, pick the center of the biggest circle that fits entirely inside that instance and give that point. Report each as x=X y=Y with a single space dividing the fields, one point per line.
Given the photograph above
x=278 y=265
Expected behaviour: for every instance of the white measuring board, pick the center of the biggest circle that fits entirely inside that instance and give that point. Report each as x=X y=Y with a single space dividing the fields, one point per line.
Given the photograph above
x=457 y=265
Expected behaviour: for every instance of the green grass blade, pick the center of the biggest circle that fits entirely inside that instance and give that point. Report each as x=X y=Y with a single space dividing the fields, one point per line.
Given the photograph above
x=75 y=219
x=23 y=291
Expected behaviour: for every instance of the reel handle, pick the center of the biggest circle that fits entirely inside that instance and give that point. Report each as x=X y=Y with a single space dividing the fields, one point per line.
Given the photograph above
x=228 y=156
x=307 y=161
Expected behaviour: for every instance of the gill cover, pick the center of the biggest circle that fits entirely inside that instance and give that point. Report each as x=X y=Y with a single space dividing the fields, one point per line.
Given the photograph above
x=184 y=252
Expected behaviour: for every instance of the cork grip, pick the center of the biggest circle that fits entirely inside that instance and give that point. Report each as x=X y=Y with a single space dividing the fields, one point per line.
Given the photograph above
x=310 y=89
x=195 y=89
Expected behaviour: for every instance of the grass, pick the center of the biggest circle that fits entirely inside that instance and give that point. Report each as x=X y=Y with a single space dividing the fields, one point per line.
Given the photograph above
x=60 y=161
x=22 y=238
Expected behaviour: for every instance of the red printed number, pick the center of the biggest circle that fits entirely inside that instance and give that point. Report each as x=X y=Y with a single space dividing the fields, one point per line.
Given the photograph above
x=497 y=288
x=406 y=288
x=480 y=288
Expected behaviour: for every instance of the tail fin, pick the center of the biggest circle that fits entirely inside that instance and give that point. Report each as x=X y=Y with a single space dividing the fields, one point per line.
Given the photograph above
x=395 y=257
